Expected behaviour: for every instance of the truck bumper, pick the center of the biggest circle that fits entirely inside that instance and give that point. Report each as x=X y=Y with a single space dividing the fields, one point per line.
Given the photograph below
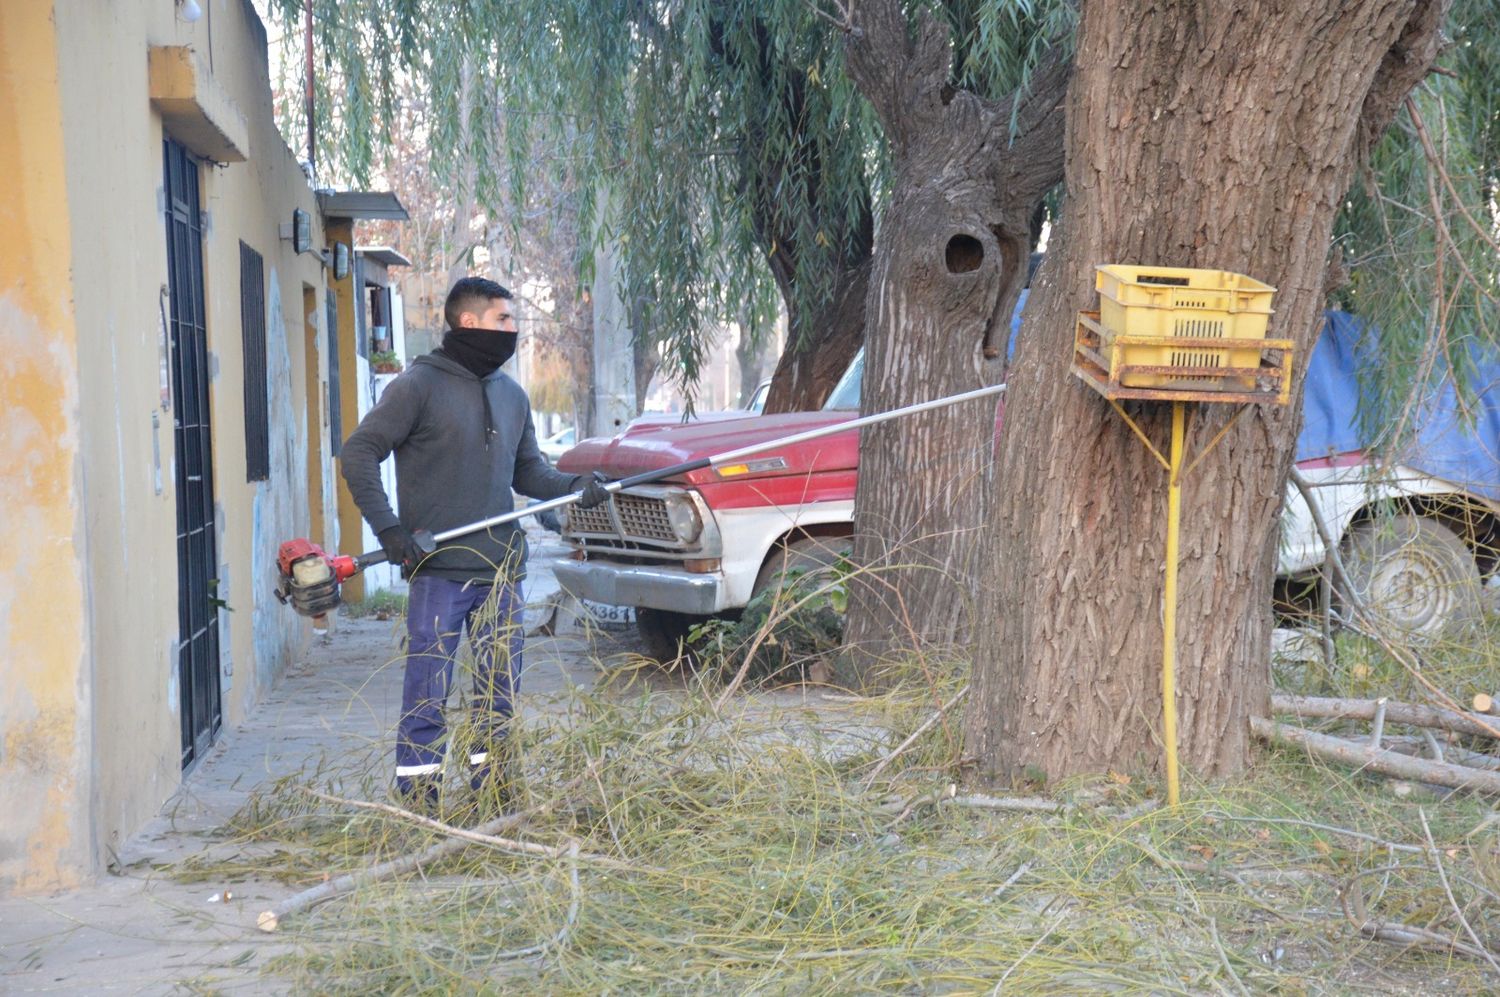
x=638 y=585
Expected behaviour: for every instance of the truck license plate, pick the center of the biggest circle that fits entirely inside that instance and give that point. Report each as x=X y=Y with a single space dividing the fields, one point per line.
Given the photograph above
x=610 y=616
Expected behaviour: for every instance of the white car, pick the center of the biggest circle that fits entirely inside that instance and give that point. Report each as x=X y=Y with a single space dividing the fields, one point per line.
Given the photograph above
x=758 y=399
x=557 y=444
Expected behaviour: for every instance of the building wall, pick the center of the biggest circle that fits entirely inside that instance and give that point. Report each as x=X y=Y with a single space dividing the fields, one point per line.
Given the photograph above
x=102 y=270
x=44 y=646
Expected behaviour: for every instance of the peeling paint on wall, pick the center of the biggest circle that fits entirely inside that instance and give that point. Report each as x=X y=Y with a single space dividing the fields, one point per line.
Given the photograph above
x=280 y=509
x=89 y=680
x=43 y=709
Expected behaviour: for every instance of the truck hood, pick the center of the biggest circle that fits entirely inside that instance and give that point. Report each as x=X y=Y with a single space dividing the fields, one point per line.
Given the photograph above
x=651 y=446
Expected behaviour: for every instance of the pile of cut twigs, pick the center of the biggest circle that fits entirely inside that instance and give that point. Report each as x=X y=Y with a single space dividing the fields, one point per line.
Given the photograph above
x=802 y=843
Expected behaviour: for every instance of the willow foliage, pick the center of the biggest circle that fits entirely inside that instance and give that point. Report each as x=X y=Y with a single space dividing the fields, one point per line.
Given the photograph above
x=1418 y=233
x=705 y=137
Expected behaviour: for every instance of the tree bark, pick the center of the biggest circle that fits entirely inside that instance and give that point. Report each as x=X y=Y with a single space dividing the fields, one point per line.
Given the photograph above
x=950 y=261
x=1198 y=135
x=820 y=346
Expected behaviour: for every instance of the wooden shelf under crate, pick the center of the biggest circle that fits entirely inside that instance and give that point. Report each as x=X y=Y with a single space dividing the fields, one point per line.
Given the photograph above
x=1272 y=379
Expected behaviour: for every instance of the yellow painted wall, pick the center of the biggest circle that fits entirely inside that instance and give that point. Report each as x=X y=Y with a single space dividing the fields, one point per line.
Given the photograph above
x=351 y=524
x=80 y=313
x=44 y=688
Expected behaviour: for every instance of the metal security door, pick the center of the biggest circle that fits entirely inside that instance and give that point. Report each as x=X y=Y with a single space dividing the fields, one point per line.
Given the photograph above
x=197 y=609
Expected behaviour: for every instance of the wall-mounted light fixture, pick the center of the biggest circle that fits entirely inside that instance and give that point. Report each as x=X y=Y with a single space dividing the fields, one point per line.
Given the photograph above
x=301 y=230
x=298 y=231
x=340 y=260
x=189 y=10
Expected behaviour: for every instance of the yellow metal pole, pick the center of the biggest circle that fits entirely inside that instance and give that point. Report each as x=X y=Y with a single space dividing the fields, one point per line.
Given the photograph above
x=1169 y=603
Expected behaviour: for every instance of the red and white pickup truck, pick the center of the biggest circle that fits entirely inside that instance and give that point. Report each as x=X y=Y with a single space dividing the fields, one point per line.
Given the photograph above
x=705 y=544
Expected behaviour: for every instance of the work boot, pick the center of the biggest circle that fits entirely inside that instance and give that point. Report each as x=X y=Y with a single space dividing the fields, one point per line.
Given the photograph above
x=420 y=794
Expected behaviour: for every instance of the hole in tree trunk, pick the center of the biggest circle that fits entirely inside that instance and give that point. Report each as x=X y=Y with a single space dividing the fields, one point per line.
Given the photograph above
x=964 y=254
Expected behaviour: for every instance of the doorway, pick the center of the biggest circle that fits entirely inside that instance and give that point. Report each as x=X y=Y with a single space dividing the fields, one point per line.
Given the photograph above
x=197 y=556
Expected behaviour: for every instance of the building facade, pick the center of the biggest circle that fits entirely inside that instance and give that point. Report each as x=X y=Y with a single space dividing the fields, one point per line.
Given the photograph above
x=165 y=364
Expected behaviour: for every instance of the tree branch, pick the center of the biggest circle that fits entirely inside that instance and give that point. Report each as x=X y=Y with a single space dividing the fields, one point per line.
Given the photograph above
x=1032 y=163
x=927 y=725
x=900 y=75
x=1407 y=63
x=1470 y=724
x=1368 y=757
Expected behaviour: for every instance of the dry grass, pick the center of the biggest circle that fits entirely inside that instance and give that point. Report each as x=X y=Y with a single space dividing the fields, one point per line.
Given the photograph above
x=752 y=853
x=763 y=866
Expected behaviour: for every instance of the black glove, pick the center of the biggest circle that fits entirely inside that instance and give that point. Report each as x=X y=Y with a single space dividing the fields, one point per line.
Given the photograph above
x=400 y=546
x=592 y=487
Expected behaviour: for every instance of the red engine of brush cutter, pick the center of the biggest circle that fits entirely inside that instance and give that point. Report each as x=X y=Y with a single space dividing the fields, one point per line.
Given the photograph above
x=310 y=577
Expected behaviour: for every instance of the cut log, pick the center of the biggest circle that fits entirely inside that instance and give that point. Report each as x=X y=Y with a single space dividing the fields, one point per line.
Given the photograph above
x=1451 y=752
x=1483 y=703
x=1364 y=756
x=1476 y=724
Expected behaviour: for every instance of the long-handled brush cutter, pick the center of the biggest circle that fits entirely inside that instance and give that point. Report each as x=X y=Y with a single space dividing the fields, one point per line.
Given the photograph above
x=310 y=577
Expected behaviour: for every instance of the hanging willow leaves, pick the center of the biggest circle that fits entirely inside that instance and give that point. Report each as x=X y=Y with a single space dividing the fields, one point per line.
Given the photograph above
x=720 y=145
x=1418 y=234
x=723 y=147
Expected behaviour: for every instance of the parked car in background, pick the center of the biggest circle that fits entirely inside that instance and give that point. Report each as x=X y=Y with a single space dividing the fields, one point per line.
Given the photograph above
x=559 y=443
x=758 y=399
x=1418 y=535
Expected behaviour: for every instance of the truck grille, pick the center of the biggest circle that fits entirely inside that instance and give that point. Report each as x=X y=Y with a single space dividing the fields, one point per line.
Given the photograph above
x=641 y=518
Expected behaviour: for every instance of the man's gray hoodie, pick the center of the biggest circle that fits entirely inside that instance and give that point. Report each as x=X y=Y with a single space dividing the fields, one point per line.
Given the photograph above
x=457 y=461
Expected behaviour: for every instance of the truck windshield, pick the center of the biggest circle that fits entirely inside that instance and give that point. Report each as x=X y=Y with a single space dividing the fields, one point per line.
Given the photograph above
x=846 y=392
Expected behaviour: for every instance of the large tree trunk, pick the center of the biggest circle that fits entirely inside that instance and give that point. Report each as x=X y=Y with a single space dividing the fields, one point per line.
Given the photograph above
x=1198 y=135
x=950 y=262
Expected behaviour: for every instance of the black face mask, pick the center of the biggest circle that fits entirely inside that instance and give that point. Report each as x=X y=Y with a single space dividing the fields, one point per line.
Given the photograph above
x=480 y=351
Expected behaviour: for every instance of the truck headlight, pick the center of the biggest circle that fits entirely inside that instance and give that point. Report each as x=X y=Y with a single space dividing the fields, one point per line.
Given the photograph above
x=683 y=515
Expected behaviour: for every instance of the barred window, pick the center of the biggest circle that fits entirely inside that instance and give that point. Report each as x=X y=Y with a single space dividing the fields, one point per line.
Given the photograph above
x=253 y=325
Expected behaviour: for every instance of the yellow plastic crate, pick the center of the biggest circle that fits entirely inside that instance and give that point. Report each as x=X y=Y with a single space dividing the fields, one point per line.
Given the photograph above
x=1193 y=304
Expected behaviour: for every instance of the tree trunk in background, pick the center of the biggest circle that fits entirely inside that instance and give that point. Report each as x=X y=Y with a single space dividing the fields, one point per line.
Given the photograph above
x=581 y=317
x=949 y=264
x=644 y=357
x=806 y=374
x=1198 y=136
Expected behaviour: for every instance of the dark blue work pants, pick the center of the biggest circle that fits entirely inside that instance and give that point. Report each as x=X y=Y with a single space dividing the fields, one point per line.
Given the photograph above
x=438 y=609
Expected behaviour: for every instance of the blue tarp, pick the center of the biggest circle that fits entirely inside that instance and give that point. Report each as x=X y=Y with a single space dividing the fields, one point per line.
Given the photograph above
x=1461 y=446
x=1457 y=445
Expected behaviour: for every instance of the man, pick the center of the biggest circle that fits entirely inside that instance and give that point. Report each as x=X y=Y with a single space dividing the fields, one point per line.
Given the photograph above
x=463 y=438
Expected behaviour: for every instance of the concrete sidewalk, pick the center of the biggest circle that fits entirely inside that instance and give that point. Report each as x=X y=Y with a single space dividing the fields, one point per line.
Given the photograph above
x=138 y=931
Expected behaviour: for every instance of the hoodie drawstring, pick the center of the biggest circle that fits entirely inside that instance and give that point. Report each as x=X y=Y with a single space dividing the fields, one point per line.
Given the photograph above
x=489 y=416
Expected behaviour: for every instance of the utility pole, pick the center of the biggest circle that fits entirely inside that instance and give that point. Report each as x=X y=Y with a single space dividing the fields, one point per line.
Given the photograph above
x=613 y=350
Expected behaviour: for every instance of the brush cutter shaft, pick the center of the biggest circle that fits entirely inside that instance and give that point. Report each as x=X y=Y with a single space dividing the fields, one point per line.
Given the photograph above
x=868 y=420
x=730 y=456
x=321 y=596
x=510 y=517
